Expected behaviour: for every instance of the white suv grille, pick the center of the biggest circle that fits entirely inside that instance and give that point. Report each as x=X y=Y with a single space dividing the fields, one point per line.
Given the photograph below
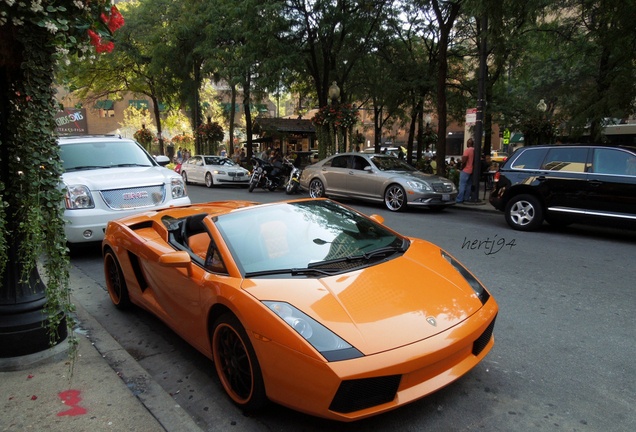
x=132 y=198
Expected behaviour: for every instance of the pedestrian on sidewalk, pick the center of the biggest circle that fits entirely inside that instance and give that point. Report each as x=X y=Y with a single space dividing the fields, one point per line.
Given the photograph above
x=466 y=173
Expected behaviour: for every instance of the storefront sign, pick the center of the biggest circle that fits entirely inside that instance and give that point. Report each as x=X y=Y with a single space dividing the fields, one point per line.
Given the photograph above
x=71 y=121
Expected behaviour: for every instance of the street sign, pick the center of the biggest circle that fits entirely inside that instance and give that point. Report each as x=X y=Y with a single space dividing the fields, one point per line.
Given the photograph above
x=471 y=116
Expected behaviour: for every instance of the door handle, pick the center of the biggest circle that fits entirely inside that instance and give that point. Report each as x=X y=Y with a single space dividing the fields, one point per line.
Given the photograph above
x=541 y=178
x=595 y=183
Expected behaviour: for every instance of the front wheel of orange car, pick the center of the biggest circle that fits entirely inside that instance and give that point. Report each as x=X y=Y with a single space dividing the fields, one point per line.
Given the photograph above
x=236 y=363
x=117 y=289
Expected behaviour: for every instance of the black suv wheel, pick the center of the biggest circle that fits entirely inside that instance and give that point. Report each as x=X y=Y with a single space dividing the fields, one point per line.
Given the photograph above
x=524 y=213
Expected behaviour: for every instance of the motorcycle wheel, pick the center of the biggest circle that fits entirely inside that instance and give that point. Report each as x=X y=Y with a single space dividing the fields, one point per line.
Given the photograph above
x=252 y=185
x=292 y=187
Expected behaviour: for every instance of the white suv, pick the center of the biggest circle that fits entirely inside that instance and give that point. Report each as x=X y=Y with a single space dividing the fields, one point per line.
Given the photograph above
x=108 y=177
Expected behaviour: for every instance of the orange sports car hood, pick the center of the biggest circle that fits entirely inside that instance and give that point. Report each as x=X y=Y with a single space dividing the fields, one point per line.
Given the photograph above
x=387 y=305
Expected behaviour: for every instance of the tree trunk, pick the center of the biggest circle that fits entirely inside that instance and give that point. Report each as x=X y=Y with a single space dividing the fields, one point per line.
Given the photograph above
x=232 y=111
x=158 y=122
x=377 y=127
x=409 y=144
x=248 y=114
x=420 y=133
x=445 y=27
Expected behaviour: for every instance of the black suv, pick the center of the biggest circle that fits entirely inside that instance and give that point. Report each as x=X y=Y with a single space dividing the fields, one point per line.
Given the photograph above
x=566 y=183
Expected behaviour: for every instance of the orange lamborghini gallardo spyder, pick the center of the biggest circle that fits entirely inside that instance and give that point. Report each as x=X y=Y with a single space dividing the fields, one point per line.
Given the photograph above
x=305 y=303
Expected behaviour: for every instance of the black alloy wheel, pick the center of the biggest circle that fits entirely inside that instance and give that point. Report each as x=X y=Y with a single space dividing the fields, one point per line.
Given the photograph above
x=236 y=363
x=115 y=282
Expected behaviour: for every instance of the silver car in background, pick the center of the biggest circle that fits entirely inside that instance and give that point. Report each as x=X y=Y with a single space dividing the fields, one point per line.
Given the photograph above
x=378 y=178
x=214 y=170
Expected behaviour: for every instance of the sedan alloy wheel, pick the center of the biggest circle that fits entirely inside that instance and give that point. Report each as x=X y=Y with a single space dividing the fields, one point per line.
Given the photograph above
x=395 y=198
x=316 y=189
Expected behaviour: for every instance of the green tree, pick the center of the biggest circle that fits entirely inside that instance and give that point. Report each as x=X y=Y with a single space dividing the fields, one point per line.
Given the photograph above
x=327 y=39
x=136 y=64
x=601 y=36
x=135 y=119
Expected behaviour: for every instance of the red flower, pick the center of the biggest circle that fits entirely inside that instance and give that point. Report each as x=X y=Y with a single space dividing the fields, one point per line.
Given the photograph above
x=95 y=38
x=115 y=21
x=108 y=47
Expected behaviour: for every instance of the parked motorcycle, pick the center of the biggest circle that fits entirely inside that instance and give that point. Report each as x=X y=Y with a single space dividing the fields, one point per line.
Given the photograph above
x=269 y=176
x=293 y=183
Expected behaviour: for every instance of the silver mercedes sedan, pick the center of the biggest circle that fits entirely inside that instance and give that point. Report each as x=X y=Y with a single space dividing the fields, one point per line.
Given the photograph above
x=378 y=178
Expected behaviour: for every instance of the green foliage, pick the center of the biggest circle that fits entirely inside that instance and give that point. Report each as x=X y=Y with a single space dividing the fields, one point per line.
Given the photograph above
x=186 y=142
x=136 y=119
x=211 y=135
x=332 y=123
x=37 y=37
x=144 y=137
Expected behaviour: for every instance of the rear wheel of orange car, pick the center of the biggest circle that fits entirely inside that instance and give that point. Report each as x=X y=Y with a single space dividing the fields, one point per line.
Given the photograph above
x=117 y=289
x=236 y=363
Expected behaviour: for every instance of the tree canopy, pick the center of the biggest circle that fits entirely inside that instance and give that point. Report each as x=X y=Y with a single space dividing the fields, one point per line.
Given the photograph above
x=395 y=58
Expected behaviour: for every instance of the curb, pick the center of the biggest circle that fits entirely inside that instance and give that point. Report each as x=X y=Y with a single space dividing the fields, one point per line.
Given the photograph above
x=159 y=404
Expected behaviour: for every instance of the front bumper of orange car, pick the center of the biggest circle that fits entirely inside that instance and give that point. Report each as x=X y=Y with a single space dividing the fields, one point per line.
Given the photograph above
x=354 y=389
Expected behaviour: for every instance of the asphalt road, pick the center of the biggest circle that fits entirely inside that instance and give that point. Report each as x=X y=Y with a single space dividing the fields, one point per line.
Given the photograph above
x=565 y=342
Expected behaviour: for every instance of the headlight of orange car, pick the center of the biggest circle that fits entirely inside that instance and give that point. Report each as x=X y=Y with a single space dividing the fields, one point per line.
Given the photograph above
x=331 y=346
x=474 y=283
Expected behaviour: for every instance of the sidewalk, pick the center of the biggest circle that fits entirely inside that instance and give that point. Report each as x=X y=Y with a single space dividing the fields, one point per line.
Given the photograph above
x=482 y=205
x=37 y=393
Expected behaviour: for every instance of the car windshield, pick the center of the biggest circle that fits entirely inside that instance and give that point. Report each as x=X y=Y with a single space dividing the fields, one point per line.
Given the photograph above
x=103 y=154
x=387 y=163
x=218 y=160
x=304 y=235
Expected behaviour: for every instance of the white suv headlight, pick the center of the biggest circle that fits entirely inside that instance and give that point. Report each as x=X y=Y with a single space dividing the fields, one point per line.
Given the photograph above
x=177 y=187
x=78 y=197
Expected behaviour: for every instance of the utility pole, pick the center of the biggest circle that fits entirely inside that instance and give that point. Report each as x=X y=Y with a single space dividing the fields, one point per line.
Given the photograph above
x=481 y=105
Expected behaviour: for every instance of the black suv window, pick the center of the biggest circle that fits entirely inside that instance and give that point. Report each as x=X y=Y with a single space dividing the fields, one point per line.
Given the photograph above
x=611 y=161
x=566 y=159
x=529 y=159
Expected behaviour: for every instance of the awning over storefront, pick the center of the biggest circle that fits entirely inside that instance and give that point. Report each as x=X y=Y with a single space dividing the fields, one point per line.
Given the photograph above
x=228 y=107
x=139 y=104
x=517 y=137
x=104 y=104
